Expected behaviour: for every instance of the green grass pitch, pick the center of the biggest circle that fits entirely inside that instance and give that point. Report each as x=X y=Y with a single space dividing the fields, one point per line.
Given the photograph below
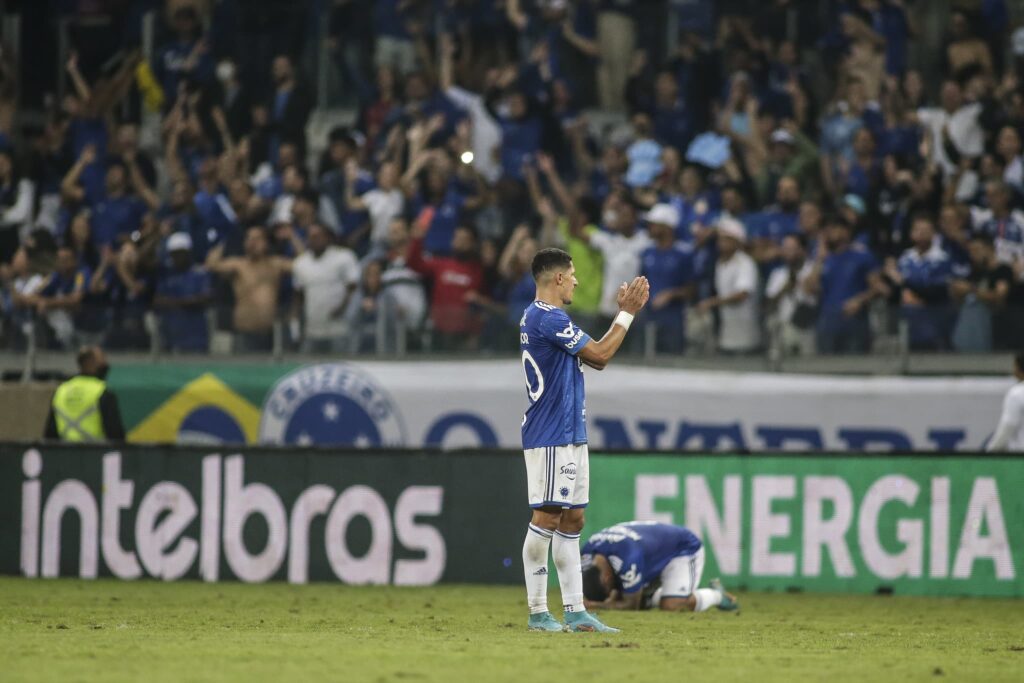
x=72 y=630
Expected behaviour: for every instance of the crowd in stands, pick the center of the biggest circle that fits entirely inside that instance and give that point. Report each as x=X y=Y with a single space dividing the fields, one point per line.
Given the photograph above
x=781 y=171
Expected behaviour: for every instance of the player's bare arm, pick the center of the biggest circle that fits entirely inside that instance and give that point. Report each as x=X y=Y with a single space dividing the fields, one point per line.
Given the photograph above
x=632 y=297
x=617 y=601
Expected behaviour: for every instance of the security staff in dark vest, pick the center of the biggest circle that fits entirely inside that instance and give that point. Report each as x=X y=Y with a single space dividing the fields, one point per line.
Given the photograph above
x=83 y=409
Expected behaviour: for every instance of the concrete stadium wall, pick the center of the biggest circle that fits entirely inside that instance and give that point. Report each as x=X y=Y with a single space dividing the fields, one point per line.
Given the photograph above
x=23 y=409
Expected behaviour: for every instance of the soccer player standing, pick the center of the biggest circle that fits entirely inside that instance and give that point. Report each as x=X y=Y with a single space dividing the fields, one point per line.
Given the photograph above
x=555 y=433
x=1009 y=434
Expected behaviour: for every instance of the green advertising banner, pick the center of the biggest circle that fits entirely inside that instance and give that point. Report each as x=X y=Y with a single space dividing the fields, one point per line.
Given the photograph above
x=921 y=524
x=925 y=525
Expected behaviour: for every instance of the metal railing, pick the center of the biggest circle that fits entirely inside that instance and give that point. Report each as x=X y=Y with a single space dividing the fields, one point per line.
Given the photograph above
x=387 y=336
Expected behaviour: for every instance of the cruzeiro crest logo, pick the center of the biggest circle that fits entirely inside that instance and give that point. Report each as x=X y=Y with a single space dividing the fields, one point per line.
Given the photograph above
x=330 y=404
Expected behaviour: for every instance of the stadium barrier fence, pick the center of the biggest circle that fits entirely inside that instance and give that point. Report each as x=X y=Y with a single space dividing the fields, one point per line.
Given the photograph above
x=922 y=524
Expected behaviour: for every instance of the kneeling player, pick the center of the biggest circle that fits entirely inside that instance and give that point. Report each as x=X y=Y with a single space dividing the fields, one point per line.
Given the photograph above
x=620 y=562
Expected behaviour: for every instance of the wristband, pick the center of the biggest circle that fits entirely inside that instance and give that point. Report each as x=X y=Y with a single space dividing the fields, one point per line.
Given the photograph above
x=624 y=319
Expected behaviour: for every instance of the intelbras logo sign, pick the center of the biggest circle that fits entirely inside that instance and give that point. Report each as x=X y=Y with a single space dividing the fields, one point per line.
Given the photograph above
x=219 y=525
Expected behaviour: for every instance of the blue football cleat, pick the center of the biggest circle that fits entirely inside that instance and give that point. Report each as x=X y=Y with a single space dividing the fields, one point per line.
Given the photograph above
x=586 y=622
x=728 y=603
x=544 y=622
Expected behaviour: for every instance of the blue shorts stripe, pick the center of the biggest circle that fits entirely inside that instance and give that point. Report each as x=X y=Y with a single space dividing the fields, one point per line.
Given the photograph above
x=551 y=473
x=554 y=463
x=556 y=503
x=547 y=470
x=543 y=533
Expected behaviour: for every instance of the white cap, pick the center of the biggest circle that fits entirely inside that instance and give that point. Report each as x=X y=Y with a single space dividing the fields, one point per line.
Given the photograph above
x=663 y=214
x=1017 y=42
x=179 y=241
x=784 y=136
x=732 y=228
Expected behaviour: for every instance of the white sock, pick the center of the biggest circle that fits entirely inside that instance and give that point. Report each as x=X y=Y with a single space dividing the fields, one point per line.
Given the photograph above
x=565 y=548
x=707 y=598
x=535 y=567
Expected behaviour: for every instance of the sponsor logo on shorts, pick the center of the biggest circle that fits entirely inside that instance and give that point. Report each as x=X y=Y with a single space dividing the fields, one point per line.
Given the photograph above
x=568 y=471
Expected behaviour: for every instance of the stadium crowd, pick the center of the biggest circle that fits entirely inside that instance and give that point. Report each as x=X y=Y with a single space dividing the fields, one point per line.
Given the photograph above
x=778 y=170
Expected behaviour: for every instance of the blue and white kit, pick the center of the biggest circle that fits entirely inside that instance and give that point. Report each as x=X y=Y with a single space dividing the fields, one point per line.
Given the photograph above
x=554 y=427
x=642 y=552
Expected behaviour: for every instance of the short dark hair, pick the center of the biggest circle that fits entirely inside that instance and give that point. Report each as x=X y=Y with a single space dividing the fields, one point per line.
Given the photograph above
x=308 y=195
x=549 y=259
x=85 y=356
x=922 y=216
x=470 y=229
x=593 y=589
x=317 y=225
x=300 y=171
x=800 y=238
x=835 y=218
x=984 y=239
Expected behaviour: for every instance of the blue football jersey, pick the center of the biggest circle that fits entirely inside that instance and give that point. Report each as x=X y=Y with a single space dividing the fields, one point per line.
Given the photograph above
x=549 y=343
x=639 y=551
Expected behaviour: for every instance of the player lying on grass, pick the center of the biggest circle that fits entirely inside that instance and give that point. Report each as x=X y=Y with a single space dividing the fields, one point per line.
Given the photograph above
x=626 y=562
x=554 y=351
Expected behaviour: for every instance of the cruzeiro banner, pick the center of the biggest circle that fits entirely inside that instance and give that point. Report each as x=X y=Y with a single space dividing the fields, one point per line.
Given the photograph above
x=935 y=525
x=473 y=404
x=930 y=525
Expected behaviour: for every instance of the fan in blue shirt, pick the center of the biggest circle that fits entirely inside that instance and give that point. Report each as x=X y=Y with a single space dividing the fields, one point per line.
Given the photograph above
x=187 y=56
x=65 y=291
x=624 y=562
x=668 y=266
x=182 y=295
x=118 y=214
x=924 y=272
x=695 y=204
x=775 y=223
x=847 y=280
x=441 y=205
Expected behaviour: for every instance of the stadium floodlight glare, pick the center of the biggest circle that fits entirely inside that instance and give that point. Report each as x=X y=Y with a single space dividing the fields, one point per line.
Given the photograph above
x=466 y=157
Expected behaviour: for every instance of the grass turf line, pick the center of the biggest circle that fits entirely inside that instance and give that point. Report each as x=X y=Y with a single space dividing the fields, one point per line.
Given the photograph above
x=105 y=630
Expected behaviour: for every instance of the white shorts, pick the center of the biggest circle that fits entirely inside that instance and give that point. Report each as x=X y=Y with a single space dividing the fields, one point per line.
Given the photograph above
x=680 y=577
x=558 y=476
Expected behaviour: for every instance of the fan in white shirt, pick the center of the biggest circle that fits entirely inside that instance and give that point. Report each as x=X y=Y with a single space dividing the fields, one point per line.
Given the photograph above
x=1008 y=148
x=384 y=203
x=785 y=292
x=959 y=121
x=324 y=277
x=621 y=245
x=1009 y=434
x=736 y=284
